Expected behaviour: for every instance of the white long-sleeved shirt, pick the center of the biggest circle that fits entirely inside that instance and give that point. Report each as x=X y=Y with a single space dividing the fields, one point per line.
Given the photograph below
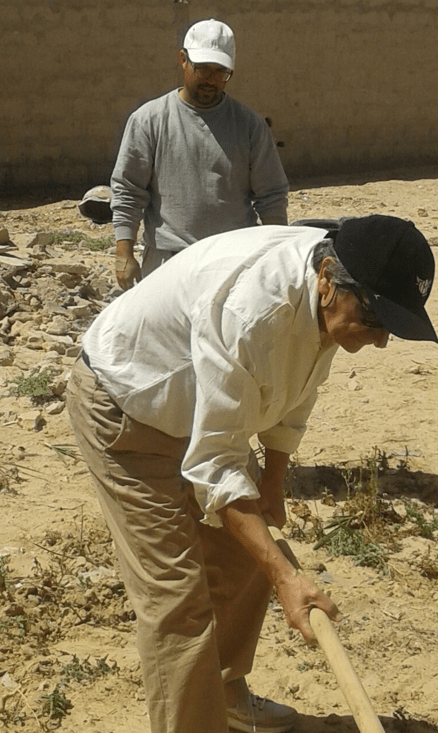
x=194 y=172
x=218 y=344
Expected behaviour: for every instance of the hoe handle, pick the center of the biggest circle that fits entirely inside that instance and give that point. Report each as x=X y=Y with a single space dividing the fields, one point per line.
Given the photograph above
x=348 y=681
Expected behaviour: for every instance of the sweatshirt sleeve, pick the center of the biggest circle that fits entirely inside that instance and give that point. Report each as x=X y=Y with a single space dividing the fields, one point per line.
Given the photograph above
x=131 y=177
x=269 y=183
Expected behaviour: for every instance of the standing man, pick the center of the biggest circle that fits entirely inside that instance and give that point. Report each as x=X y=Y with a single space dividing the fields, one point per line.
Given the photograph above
x=193 y=162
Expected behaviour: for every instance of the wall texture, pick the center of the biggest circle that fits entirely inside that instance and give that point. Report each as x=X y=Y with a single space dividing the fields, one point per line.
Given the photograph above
x=350 y=85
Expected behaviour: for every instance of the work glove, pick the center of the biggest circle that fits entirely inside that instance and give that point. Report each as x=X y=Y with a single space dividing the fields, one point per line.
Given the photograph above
x=128 y=271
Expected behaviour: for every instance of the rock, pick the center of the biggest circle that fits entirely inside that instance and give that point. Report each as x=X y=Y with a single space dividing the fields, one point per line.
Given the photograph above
x=59 y=326
x=59 y=384
x=72 y=268
x=51 y=358
x=6 y=356
x=354 y=385
x=55 y=408
x=7 y=300
x=4 y=236
x=43 y=239
x=70 y=281
x=81 y=309
x=35 y=340
x=73 y=351
x=21 y=317
x=32 y=420
x=22 y=328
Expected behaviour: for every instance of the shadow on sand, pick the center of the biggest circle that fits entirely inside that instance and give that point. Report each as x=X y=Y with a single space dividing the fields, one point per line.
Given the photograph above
x=399 y=723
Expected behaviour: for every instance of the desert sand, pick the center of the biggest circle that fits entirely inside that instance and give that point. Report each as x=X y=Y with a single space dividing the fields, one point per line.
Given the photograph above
x=67 y=633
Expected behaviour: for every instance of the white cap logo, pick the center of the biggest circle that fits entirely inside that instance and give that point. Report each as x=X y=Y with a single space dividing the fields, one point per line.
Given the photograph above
x=424 y=286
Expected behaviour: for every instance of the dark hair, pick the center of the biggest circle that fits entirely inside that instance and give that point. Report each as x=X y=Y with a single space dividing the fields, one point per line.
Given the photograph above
x=338 y=274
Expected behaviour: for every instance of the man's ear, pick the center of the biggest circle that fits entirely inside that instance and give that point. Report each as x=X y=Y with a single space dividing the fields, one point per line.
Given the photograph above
x=325 y=285
x=182 y=57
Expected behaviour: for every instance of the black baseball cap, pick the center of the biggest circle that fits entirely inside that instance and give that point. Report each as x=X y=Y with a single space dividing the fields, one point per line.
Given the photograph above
x=394 y=265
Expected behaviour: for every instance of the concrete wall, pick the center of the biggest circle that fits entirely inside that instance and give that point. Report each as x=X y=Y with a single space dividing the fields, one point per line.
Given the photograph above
x=350 y=85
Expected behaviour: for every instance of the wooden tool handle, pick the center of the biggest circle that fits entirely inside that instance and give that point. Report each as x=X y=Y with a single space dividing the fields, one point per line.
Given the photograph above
x=348 y=681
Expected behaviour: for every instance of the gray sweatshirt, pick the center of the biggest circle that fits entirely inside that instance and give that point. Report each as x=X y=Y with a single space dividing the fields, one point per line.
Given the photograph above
x=192 y=173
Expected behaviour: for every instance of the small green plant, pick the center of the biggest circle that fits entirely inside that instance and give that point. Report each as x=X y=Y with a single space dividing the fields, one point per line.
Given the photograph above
x=304 y=666
x=36 y=385
x=85 y=671
x=345 y=540
x=67 y=238
x=56 y=705
x=416 y=516
x=84 y=582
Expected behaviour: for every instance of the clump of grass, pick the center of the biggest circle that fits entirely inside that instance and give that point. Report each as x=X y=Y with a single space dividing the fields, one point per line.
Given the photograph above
x=426 y=528
x=72 y=239
x=97 y=245
x=36 y=385
x=354 y=532
x=344 y=539
x=68 y=238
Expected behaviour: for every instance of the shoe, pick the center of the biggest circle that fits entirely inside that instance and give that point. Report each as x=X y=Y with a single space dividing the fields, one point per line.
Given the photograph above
x=256 y=714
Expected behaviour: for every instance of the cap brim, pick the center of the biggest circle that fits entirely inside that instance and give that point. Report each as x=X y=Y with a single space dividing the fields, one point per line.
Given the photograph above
x=399 y=321
x=210 y=56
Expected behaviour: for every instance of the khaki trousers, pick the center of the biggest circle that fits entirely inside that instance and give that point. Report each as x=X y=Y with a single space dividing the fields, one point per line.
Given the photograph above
x=199 y=597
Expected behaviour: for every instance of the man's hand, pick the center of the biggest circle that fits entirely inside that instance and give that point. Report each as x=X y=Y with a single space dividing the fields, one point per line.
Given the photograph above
x=127 y=268
x=127 y=271
x=298 y=595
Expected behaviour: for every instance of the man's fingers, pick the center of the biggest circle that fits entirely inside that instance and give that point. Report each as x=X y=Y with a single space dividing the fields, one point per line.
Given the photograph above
x=330 y=608
x=127 y=271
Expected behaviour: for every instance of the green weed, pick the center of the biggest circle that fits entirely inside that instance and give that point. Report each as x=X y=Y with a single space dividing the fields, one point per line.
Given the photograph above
x=36 y=385
x=416 y=516
x=56 y=705
x=355 y=530
x=85 y=671
x=71 y=240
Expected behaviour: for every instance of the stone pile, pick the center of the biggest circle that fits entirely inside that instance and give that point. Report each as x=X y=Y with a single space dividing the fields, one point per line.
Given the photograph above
x=49 y=294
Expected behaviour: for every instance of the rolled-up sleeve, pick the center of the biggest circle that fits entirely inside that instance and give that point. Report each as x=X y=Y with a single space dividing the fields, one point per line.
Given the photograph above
x=286 y=436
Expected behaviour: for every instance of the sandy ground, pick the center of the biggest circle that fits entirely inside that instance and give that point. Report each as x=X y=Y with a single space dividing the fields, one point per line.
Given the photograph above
x=66 y=629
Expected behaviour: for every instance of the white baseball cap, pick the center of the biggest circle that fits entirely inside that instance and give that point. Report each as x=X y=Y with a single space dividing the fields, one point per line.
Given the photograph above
x=211 y=42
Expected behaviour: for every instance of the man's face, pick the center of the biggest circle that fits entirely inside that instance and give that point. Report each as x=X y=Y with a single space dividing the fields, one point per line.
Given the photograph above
x=345 y=319
x=345 y=325
x=202 y=92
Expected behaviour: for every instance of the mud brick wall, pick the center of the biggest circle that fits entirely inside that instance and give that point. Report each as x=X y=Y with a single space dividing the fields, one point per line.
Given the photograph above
x=349 y=85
